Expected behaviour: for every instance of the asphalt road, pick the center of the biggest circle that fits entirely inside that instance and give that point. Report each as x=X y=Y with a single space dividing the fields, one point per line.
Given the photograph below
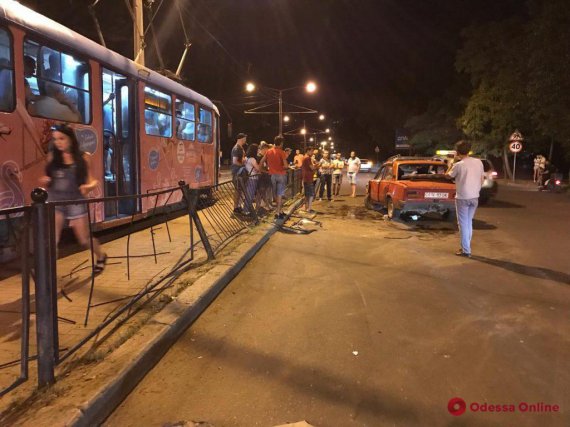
x=367 y=322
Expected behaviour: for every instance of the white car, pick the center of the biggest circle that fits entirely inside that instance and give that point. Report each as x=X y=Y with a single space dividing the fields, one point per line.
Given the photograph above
x=365 y=165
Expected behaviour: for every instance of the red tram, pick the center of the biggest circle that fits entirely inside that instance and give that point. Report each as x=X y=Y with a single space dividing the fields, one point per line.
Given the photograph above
x=144 y=131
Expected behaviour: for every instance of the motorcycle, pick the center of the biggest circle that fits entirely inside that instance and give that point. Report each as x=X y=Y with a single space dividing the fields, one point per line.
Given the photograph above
x=552 y=184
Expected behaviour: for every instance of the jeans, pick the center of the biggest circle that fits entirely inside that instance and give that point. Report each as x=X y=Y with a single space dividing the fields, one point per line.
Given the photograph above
x=250 y=189
x=326 y=179
x=465 y=213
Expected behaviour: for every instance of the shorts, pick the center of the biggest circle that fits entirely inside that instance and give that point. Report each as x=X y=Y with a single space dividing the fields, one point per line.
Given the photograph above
x=69 y=211
x=309 y=189
x=351 y=177
x=337 y=178
x=279 y=184
x=72 y=211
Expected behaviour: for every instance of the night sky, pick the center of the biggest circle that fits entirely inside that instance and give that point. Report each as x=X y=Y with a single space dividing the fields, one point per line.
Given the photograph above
x=379 y=58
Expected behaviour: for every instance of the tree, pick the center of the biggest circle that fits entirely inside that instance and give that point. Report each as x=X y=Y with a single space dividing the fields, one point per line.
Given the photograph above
x=437 y=127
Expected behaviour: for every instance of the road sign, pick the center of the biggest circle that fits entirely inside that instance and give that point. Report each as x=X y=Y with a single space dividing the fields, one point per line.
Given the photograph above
x=515 y=146
x=516 y=136
x=377 y=150
x=402 y=139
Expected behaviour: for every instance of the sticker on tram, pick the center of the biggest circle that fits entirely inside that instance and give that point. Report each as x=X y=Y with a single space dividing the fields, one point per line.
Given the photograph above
x=153 y=159
x=180 y=152
x=87 y=139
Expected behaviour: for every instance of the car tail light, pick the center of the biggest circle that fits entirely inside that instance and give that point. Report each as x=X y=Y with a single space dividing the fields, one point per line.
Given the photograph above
x=494 y=174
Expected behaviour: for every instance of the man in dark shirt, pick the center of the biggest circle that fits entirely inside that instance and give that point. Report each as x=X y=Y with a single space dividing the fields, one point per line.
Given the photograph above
x=238 y=154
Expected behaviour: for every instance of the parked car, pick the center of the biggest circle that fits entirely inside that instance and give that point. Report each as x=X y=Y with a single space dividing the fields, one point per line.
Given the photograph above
x=411 y=187
x=365 y=165
x=490 y=187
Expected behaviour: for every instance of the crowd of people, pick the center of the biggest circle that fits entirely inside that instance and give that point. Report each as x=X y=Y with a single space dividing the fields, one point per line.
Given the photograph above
x=259 y=173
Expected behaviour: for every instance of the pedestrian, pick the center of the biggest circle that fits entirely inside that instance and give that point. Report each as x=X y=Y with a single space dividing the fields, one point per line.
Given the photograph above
x=308 y=168
x=253 y=172
x=298 y=160
x=541 y=169
x=352 y=172
x=238 y=155
x=338 y=166
x=68 y=177
x=469 y=176
x=276 y=160
x=264 y=190
x=325 y=170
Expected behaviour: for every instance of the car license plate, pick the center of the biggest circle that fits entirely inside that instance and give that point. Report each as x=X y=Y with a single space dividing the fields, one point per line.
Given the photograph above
x=429 y=195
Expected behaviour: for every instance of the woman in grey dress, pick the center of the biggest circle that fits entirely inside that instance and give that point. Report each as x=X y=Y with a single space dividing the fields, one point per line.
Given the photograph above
x=68 y=177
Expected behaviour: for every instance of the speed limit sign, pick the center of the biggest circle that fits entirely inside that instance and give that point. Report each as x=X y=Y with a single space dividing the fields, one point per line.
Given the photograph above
x=515 y=146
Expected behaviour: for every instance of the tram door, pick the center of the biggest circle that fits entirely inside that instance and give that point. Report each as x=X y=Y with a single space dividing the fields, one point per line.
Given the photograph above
x=120 y=155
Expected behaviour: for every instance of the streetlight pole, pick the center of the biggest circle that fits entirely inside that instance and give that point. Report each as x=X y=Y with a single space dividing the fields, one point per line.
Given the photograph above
x=278 y=93
x=280 y=112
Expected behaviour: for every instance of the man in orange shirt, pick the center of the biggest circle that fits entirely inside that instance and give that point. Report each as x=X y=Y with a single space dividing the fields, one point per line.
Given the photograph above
x=276 y=160
x=298 y=160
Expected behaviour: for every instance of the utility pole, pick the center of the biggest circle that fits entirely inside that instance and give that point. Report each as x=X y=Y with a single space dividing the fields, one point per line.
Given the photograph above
x=138 y=32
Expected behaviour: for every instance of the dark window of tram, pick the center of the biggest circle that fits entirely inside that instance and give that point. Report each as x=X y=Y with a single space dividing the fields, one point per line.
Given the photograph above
x=6 y=72
x=185 y=120
x=57 y=84
x=205 y=126
x=157 y=113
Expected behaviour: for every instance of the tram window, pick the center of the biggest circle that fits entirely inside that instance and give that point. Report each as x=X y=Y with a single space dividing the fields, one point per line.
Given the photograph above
x=157 y=113
x=6 y=72
x=185 y=120
x=205 y=126
x=57 y=84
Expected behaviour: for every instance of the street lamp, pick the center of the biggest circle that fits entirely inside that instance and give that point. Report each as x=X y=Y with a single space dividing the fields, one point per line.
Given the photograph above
x=327 y=130
x=310 y=87
x=322 y=117
x=286 y=119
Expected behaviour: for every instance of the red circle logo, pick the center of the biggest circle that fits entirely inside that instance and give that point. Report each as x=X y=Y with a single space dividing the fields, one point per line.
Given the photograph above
x=456 y=406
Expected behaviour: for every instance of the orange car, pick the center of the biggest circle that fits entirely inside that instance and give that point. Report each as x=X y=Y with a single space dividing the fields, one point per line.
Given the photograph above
x=411 y=187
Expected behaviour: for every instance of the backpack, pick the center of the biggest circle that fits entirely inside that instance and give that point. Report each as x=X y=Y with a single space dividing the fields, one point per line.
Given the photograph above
x=242 y=173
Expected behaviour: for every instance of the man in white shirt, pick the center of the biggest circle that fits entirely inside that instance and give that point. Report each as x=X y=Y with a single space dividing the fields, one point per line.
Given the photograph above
x=353 y=169
x=469 y=175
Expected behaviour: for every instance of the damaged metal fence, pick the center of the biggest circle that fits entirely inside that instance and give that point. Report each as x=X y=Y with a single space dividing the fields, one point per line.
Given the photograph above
x=15 y=237
x=74 y=304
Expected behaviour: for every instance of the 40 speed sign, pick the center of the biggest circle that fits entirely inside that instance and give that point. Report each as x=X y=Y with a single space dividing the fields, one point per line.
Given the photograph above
x=515 y=146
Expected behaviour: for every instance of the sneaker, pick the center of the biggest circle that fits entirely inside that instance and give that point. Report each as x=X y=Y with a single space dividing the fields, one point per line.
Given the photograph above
x=463 y=254
x=238 y=210
x=281 y=215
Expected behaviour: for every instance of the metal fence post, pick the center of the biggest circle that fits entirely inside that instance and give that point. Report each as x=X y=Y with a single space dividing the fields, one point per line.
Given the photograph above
x=46 y=292
x=191 y=197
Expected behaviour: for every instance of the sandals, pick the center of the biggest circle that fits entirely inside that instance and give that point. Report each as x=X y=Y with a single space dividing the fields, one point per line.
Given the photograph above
x=100 y=264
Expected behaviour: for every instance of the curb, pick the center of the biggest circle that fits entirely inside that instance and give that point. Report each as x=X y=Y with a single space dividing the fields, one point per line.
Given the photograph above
x=98 y=408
